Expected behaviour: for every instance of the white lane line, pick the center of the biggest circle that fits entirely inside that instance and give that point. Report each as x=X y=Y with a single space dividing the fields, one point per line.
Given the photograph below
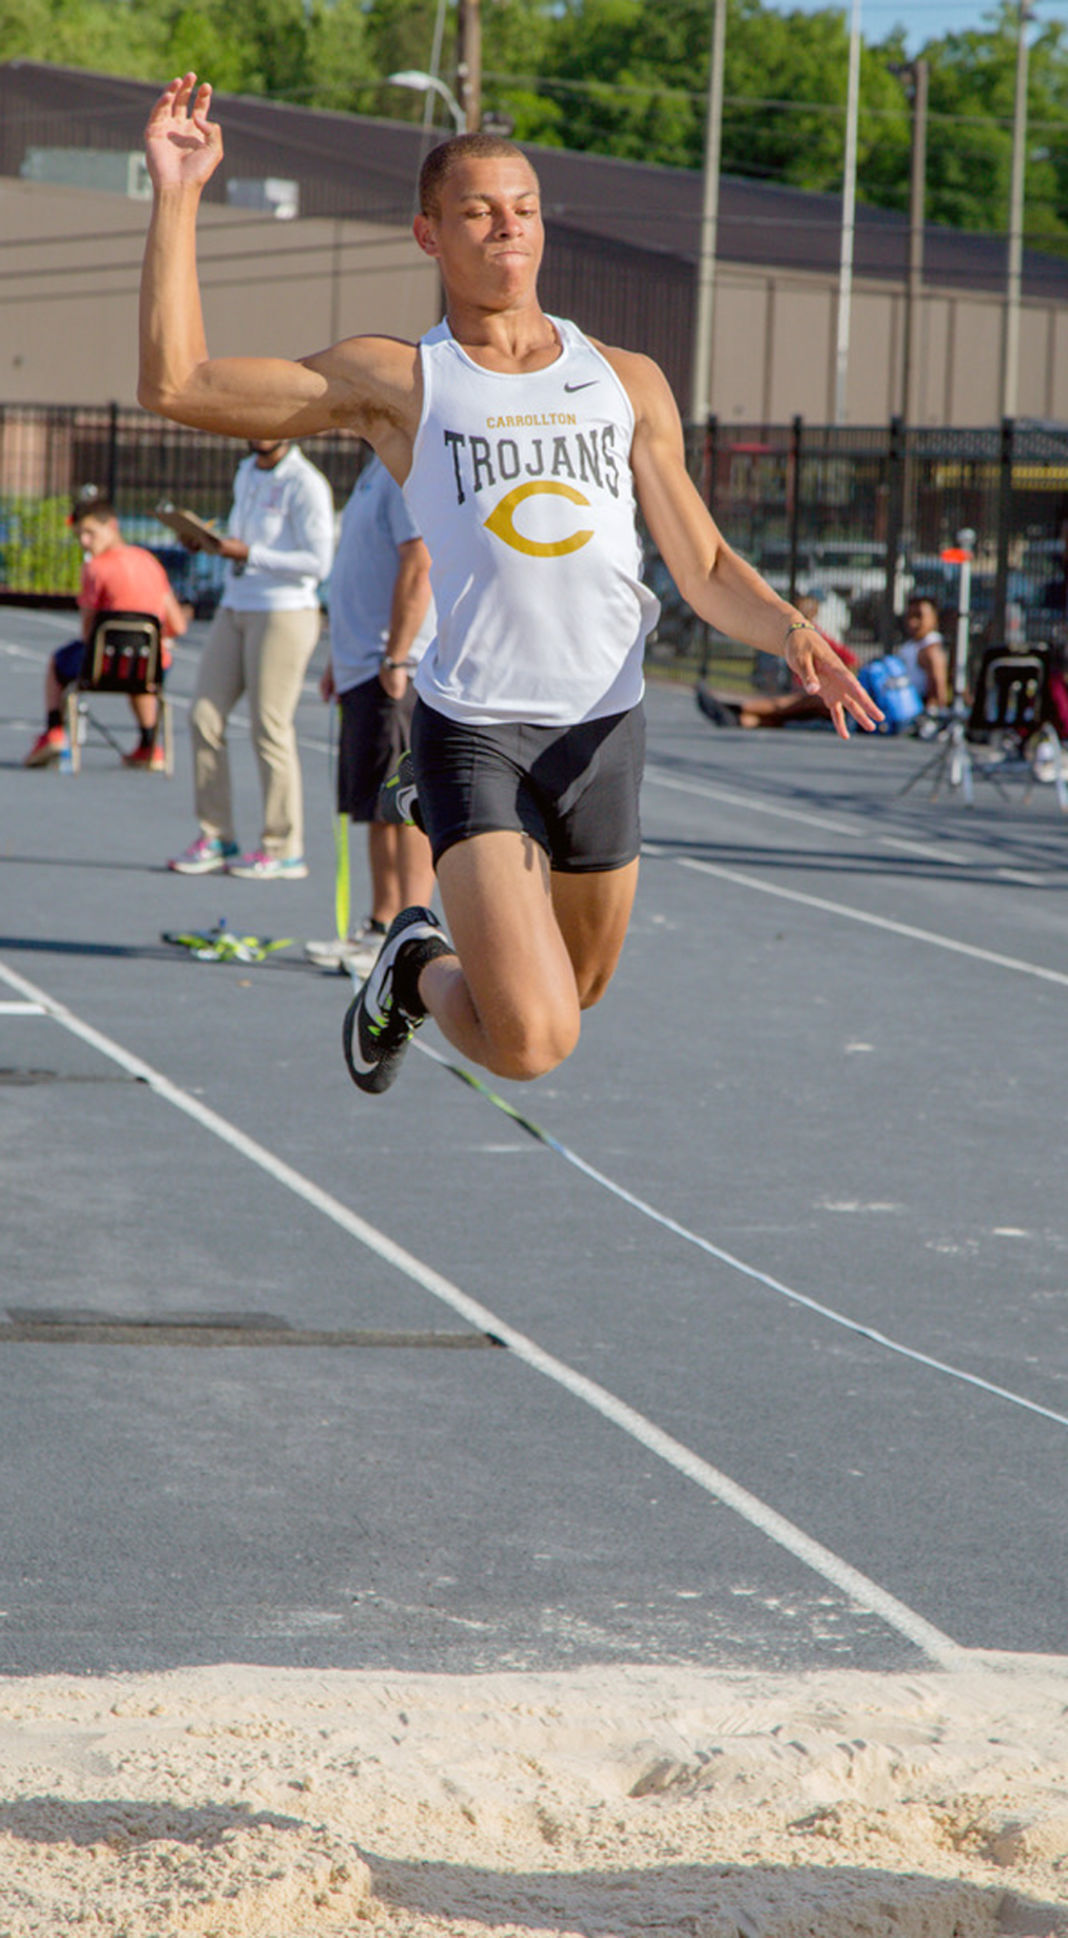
x=850 y=1582
x=753 y=1272
x=20 y=652
x=710 y=791
x=946 y=858
x=885 y=922
x=22 y=1009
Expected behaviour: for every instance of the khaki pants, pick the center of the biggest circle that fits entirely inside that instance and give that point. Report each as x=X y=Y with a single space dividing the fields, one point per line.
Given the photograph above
x=264 y=655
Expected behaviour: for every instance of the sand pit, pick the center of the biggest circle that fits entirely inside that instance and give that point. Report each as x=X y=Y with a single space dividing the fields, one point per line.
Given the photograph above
x=255 y=1803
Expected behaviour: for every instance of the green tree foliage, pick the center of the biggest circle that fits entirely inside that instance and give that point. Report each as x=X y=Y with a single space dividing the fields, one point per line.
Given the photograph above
x=972 y=94
x=627 y=78
x=113 y=36
x=342 y=71
x=197 y=36
x=517 y=38
x=39 y=553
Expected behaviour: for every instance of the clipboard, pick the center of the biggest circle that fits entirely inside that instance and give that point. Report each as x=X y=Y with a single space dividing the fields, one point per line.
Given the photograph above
x=193 y=531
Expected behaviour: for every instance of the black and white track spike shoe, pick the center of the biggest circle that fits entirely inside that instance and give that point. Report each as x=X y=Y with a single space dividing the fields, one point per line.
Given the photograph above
x=378 y=1025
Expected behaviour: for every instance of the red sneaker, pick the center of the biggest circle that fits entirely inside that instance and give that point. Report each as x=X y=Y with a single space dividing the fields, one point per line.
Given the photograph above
x=47 y=748
x=149 y=759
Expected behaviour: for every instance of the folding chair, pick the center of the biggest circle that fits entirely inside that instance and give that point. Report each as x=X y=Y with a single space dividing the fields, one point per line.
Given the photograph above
x=1013 y=713
x=124 y=655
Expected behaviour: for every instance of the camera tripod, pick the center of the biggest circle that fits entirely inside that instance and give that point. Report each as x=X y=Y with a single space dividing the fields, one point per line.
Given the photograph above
x=951 y=765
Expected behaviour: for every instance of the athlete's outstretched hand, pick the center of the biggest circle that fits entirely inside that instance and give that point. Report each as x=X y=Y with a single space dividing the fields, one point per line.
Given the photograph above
x=821 y=672
x=182 y=146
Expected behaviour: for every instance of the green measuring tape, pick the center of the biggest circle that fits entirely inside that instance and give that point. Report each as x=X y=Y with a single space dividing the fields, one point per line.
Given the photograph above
x=220 y=945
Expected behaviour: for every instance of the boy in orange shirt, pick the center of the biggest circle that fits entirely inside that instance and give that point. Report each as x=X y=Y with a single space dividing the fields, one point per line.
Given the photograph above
x=116 y=577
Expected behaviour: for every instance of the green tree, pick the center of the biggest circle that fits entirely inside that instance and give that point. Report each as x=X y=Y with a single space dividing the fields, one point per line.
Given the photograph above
x=198 y=37
x=114 y=36
x=972 y=97
x=627 y=78
x=39 y=554
x=342 y=72
x=516 y=37
x=24 y=29
x=621 y=72
x=787 y=80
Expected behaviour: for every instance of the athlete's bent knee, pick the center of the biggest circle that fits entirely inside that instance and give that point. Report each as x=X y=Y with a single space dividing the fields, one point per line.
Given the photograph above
x=525 y=1055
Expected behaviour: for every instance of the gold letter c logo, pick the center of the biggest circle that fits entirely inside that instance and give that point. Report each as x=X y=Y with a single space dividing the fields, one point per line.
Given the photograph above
x=501 y=521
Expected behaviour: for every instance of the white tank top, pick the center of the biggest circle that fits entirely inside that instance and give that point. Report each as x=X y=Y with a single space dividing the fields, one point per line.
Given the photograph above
x=522 y=489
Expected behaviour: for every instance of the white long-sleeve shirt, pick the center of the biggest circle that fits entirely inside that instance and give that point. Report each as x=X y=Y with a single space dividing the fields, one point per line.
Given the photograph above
x=285 y=516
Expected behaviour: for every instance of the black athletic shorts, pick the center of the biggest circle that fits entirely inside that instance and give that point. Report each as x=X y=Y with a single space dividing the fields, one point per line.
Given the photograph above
x=574 y=790
x=374 y=734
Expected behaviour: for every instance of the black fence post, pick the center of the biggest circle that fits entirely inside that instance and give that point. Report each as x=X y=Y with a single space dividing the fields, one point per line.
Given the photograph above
x=711 y=460
x=1001 y=582
x=710 y=463
x=796 y=439
x=897 y=457
x=112 y=473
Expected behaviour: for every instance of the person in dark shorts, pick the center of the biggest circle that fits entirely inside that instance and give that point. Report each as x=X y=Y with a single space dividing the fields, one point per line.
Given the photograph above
x=524 y=450
x=381 y=621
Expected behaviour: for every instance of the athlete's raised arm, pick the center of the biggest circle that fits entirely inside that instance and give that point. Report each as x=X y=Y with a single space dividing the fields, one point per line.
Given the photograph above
x=367 y=384
x=720 y=585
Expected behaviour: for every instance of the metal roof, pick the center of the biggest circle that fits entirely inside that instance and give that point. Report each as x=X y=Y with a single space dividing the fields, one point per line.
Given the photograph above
x=362 y=167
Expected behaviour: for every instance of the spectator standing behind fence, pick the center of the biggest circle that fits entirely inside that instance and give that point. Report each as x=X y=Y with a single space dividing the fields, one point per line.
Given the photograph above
x=381 y=622
x=280 y=545
x=116 y=577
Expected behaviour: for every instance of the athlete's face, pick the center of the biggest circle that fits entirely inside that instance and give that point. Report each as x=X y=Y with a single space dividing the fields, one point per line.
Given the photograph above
x=487 y=235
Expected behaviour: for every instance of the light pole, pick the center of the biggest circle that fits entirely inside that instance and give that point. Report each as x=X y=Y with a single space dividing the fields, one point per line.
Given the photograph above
x=918 y=71
x=469 y=62
x=1010 y=336
x=704 y=318
x=414 y=77
x=849 y=203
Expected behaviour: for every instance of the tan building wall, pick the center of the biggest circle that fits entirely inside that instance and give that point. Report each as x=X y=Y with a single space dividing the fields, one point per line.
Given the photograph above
x=68 y=292
x=776 y=333
x=68 y=315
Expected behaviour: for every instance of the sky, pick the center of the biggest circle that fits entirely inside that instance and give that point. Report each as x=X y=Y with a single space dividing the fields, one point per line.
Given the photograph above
x=922 y=20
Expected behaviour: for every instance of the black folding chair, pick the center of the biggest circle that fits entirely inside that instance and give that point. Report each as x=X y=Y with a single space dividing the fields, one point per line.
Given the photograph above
x=124 y=655
x=1013 y=715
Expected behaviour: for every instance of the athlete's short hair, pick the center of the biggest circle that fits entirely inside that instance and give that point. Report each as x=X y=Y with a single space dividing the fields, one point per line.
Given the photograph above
x=443 y=160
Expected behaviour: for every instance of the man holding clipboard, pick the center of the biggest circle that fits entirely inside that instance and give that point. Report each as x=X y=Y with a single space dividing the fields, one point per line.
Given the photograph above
x=279 y=546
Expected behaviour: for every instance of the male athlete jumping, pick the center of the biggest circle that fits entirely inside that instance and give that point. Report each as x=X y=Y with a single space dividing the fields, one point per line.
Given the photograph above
x=522 y=447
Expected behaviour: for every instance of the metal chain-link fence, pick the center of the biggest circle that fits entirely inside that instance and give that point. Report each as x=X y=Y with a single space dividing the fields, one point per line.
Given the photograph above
x=50 y=455
x=859 y=517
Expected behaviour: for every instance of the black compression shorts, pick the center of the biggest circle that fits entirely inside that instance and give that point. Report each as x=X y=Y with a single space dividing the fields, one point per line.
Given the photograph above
x=574 y=790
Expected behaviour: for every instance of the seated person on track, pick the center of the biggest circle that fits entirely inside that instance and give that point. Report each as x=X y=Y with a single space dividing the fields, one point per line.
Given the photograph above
x=923 y=654
x=116 y=577
x=775 y=709
x=522 y=447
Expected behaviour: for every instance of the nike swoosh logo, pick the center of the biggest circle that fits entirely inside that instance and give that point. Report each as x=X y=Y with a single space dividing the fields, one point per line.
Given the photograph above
x=359 y=1061
x=588 y=385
